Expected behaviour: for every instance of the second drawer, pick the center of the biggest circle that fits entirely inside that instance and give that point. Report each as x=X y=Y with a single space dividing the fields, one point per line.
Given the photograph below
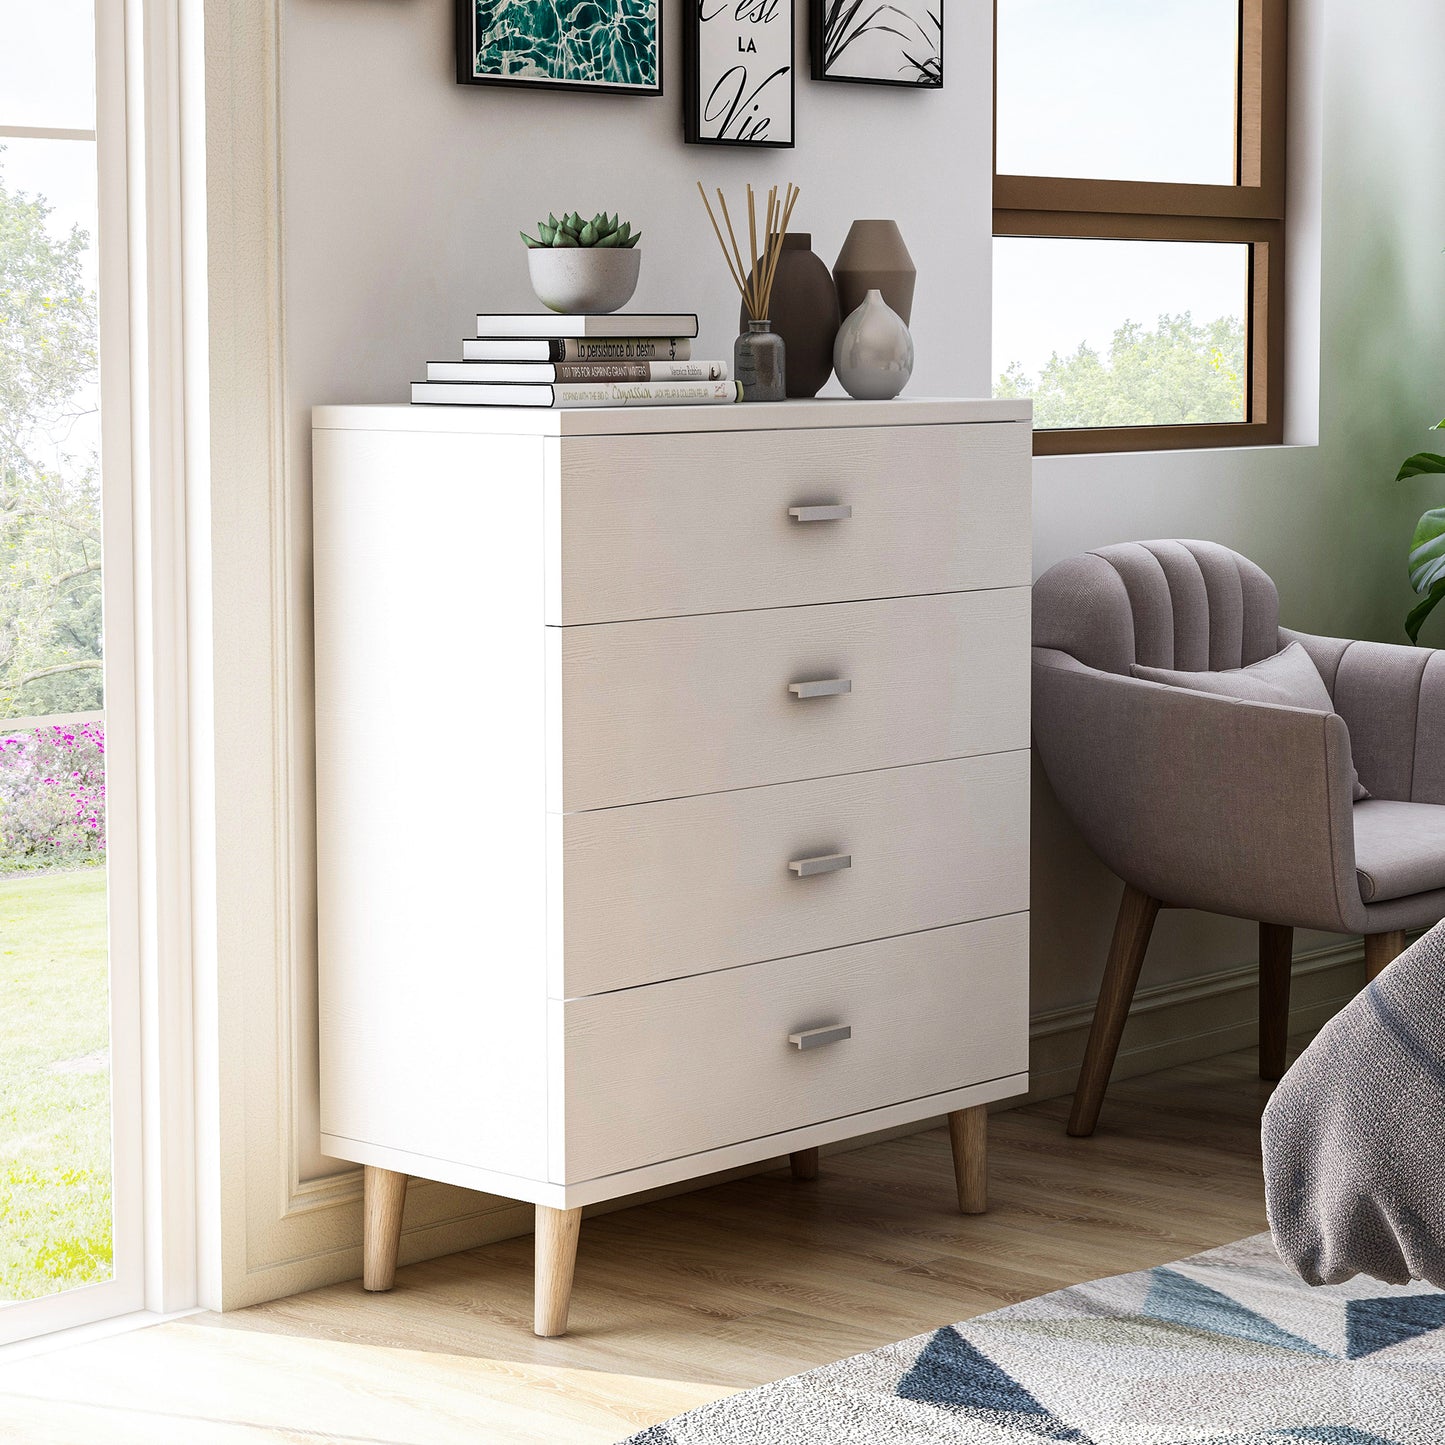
x=696 y=884
x=684 y=705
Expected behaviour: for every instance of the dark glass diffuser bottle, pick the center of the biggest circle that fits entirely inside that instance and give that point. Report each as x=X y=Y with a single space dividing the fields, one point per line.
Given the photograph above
x=760 y=362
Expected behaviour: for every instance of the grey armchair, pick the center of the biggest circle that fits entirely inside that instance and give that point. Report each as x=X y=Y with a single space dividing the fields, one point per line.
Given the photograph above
x=1240 y=808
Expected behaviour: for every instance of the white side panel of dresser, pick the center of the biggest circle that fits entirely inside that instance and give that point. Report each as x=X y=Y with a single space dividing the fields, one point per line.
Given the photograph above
x=430 y=817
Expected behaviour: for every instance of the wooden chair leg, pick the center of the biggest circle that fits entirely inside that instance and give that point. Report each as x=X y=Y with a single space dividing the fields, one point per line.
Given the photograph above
x=804 y=1163
x=1381 y=950
x=556 y=1262
x=383 y=1193
x=1137 y=912
x=1276 y=956
x=968 y=1133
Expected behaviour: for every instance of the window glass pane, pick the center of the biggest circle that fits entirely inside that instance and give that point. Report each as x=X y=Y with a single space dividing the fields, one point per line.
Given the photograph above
x=47 y=63
x=1137 y=90
x=1121 y=333
x=55 y=1082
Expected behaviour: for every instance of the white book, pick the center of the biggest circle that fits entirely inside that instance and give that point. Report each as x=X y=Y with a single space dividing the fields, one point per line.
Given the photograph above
x=577 y=393
x=623 y=348
x=545 y=372
x=550 y=325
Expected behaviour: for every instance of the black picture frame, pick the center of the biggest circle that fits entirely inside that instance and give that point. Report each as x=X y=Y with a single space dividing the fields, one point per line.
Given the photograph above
x=819 y=13
x=694 y=126
x=465 y=12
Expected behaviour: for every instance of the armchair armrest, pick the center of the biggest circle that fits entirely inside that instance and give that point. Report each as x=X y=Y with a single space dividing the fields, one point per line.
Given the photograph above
x=1202 y=801
x=1392 y=699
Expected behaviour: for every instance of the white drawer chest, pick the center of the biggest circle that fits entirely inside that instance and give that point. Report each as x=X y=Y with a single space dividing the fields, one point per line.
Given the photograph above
x=672 y=779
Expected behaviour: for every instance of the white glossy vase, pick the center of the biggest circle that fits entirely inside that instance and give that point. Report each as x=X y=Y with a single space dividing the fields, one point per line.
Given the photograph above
x=873 y=354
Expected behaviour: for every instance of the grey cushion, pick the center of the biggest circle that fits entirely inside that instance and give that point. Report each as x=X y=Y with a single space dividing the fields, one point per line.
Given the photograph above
x=1288 y=679
x=1399 y=848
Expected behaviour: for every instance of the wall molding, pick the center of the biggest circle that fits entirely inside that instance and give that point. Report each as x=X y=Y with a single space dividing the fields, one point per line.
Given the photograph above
x=1194 y=1019
x=265 y=1230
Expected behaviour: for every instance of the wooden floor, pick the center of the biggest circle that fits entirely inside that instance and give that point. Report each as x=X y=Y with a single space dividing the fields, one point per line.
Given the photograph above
x=681 y=1301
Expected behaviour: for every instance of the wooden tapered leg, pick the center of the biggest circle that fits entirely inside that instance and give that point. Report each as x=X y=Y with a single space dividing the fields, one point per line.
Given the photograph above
x=1137 y=912
x=1381 y=950
x=805 y=1163
x=968 y=1133
x=383 y=1193
x=1276 y=955
x=557 y=1231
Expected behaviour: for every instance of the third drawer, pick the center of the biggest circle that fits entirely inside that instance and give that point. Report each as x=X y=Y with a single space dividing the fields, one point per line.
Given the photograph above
x=696 y=884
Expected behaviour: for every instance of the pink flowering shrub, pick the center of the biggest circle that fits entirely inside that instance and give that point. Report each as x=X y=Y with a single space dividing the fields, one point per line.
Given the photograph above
x=52 y=796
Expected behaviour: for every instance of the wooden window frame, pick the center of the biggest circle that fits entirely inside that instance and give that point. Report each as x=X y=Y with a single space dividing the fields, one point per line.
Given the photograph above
x=1251 y=211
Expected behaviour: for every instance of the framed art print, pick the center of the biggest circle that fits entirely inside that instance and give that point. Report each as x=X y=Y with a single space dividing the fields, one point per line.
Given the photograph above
x=598 y=45
x=738 y=72
x=897 y=42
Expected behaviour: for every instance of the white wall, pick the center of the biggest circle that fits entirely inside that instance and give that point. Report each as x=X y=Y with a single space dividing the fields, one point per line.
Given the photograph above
x=403 y=193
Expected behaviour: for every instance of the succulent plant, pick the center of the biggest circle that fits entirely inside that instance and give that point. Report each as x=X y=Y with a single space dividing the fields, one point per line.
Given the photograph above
x=572 y=230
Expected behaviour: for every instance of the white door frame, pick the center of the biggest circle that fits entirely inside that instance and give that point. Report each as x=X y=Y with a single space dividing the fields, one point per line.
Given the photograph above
x=151 y=206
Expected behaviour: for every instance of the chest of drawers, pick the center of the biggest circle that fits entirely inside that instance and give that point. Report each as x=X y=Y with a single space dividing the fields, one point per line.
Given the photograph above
x=672 y=799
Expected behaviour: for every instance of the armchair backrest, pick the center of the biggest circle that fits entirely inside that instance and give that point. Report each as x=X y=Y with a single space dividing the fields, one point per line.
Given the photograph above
x=1192 y=606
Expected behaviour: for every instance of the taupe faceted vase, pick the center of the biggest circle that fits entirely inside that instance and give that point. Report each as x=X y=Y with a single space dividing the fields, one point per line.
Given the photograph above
x=874 y=258
x=804 y=311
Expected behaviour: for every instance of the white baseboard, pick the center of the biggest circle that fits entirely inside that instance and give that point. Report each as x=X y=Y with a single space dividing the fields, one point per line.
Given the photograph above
x=1194 y=1019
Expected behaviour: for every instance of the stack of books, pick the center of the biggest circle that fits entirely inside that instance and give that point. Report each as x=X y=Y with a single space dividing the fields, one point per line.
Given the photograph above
x=566 y=361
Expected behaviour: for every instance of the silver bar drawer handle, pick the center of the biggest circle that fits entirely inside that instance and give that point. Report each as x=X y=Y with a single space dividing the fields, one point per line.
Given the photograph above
x=823 y=687
x=835 y=513
x=816 y=1038
x=826 y=863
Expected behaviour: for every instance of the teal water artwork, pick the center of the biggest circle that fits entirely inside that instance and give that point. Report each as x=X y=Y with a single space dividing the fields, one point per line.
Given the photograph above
x=602 y=44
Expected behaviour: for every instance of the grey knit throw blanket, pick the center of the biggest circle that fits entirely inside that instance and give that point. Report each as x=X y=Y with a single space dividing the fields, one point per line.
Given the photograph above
x=1354 y=1136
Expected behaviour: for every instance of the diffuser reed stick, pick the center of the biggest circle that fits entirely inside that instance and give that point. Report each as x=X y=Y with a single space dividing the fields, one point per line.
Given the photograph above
x=755 y=285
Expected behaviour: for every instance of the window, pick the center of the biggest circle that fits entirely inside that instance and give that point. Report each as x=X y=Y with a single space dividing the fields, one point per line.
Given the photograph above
x=70 y=1183
x=1139 y=220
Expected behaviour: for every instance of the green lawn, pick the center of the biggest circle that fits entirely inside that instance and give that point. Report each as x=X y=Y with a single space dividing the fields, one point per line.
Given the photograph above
x=55 y=1224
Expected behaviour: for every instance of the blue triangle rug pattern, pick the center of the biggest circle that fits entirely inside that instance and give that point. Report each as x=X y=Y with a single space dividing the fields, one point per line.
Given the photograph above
x=1225 y=1348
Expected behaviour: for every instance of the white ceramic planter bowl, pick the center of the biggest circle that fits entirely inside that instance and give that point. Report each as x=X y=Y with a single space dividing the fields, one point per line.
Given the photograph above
x=584 y=279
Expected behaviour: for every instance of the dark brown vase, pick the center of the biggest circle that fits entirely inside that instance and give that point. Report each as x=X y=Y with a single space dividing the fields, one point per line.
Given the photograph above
x=804 y=312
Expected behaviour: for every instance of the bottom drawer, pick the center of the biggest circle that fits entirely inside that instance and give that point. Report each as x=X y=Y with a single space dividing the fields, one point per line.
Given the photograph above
x=677 y=1068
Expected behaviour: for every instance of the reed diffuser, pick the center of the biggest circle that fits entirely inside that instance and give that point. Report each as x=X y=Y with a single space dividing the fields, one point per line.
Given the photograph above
x=759 y=359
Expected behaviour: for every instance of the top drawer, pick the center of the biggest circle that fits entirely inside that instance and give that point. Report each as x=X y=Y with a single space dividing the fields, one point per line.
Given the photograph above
x=667 y=525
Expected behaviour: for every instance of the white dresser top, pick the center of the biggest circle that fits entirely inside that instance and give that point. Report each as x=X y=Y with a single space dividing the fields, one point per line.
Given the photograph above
x=611 y=421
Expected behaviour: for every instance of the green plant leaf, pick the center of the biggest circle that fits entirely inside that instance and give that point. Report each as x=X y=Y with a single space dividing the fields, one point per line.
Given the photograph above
x=1416 y=620
x=609 y=241
x=552 y=221
x=632 y=240
x=547 y=233
x=1427 y=551
x=564 y=240
x=528 y=242
x=1422 y=464
x=588 y=235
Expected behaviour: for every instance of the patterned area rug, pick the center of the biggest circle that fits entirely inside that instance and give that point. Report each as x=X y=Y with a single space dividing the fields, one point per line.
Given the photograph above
x=1226 y=1348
